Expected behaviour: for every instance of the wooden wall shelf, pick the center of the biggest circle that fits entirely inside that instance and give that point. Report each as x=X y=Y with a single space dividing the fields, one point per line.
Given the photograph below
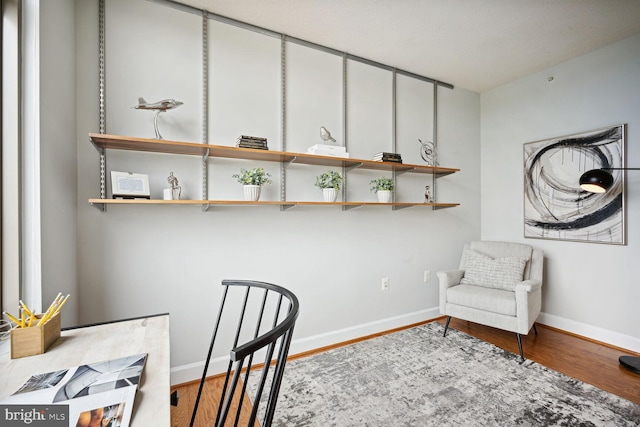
x=103 y=142
x=286 y=203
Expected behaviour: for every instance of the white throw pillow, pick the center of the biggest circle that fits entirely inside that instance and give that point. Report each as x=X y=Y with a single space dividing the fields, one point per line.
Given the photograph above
x=499 y=273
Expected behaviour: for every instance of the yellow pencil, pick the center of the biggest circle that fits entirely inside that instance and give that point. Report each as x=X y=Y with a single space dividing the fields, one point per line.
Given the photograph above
x=53 y=304
x=57 y=310
x=13 y=319
x=47 y=314
x=24 y=306
x=44 y=318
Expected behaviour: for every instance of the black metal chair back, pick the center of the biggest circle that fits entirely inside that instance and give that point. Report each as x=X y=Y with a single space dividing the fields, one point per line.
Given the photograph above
x=271 y=307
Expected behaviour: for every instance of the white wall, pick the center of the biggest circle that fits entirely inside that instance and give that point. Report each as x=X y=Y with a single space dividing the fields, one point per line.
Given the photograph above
x=137 y=260
x=58 y=158
x=589 y=289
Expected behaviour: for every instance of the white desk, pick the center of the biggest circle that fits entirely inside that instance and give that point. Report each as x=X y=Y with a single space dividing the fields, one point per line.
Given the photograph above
x=103 y=342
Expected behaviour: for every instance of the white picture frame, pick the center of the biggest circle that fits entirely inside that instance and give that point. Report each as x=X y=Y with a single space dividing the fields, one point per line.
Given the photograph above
x=129 y=185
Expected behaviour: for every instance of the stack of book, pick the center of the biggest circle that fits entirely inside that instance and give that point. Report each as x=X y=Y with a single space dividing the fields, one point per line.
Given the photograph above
x=387 y=157
x=328 y=150
x=245 y=141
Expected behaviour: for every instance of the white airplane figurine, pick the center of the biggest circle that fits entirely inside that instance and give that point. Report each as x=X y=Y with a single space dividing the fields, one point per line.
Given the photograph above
x=160 y=106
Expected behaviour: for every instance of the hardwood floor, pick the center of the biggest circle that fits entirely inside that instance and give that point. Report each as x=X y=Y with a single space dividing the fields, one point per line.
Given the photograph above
x=580 y=358
x=181 y=414
x=577 y=357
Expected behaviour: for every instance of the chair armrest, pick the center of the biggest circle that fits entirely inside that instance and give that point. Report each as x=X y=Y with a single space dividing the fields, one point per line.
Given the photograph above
x=450 y=278
x=447 y=279
x=528 y=303
x=529 y=285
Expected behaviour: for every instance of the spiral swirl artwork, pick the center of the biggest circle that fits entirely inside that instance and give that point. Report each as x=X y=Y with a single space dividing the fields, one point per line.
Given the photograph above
x=554 y=205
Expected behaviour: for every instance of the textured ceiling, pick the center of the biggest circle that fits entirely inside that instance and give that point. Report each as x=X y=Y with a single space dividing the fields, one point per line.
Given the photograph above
x=476 y=45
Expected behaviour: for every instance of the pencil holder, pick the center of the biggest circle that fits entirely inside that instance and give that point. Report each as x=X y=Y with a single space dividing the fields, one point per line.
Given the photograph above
x=34 y=339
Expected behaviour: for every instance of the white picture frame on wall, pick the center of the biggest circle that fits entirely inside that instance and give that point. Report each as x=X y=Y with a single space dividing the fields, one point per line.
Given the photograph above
x=129 y=185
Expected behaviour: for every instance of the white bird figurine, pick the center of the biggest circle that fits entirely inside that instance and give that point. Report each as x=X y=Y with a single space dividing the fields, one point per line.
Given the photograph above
x=326 y=135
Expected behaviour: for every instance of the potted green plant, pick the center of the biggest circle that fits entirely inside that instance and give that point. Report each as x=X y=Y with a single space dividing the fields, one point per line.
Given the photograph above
x=383 y=187
x=329 y=182
x=253 y=180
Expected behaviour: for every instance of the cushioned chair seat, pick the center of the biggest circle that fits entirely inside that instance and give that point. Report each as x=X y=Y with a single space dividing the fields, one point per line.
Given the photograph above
x=481 y=298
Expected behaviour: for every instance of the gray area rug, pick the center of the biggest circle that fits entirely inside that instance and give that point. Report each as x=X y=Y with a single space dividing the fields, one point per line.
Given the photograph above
x=416 y=377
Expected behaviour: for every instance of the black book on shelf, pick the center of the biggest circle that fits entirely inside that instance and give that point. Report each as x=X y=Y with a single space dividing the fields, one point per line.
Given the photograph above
x=388 y=160
x=257 y=141
x=254 y=147
x=385 y=154
x=387 y=157
x=258 y=144
x=248 y=141
x=251 y=138
x=262 y=143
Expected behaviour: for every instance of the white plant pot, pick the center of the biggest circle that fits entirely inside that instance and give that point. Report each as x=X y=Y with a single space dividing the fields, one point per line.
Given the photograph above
x=384 y=196
x=252 y=192
x=329 y=194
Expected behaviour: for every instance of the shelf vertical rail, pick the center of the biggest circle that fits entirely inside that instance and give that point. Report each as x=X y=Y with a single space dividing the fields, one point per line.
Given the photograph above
x=102 y=105
x=344 y=125
x=435 y=144
x=283 y=117
x=205 y=105
x=394 y=131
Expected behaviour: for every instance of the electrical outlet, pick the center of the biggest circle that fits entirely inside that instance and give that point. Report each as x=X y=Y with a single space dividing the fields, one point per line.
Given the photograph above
x=427 y=276
x=385 y=283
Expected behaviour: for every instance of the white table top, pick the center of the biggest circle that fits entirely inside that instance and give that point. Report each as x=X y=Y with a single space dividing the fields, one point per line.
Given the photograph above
x=104 y=342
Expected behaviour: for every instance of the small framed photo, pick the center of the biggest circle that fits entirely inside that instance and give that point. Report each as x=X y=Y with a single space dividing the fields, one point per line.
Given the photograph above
x=129 y=185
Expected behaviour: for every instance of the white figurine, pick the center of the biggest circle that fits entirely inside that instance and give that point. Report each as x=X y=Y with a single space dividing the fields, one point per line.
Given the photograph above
x=173 y=181
x=427 y=194
x=326 y=135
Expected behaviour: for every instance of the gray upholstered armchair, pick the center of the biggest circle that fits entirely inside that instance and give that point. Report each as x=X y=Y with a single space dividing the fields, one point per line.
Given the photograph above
x=498 y=284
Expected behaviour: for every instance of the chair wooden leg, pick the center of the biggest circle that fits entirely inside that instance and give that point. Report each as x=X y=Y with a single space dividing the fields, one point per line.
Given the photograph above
x=535 y=330
x=446 y=326
x=520 y=347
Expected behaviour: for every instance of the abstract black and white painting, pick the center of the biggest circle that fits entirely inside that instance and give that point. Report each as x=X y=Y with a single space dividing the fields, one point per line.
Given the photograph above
x=554 y=205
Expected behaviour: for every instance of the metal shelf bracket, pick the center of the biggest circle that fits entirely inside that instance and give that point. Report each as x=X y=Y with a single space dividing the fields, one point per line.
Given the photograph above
x=402 y=171
x=350 y=207
x=291 y=160
x=397 y=208
x=352 y=167
x=100 y=206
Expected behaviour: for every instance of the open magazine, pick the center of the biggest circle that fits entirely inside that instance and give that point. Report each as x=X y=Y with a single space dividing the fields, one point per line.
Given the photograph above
x=99 y=394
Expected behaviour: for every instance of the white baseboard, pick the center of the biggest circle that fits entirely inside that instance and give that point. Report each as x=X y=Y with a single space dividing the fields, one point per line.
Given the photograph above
x=592 y=332
x=193 y=371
